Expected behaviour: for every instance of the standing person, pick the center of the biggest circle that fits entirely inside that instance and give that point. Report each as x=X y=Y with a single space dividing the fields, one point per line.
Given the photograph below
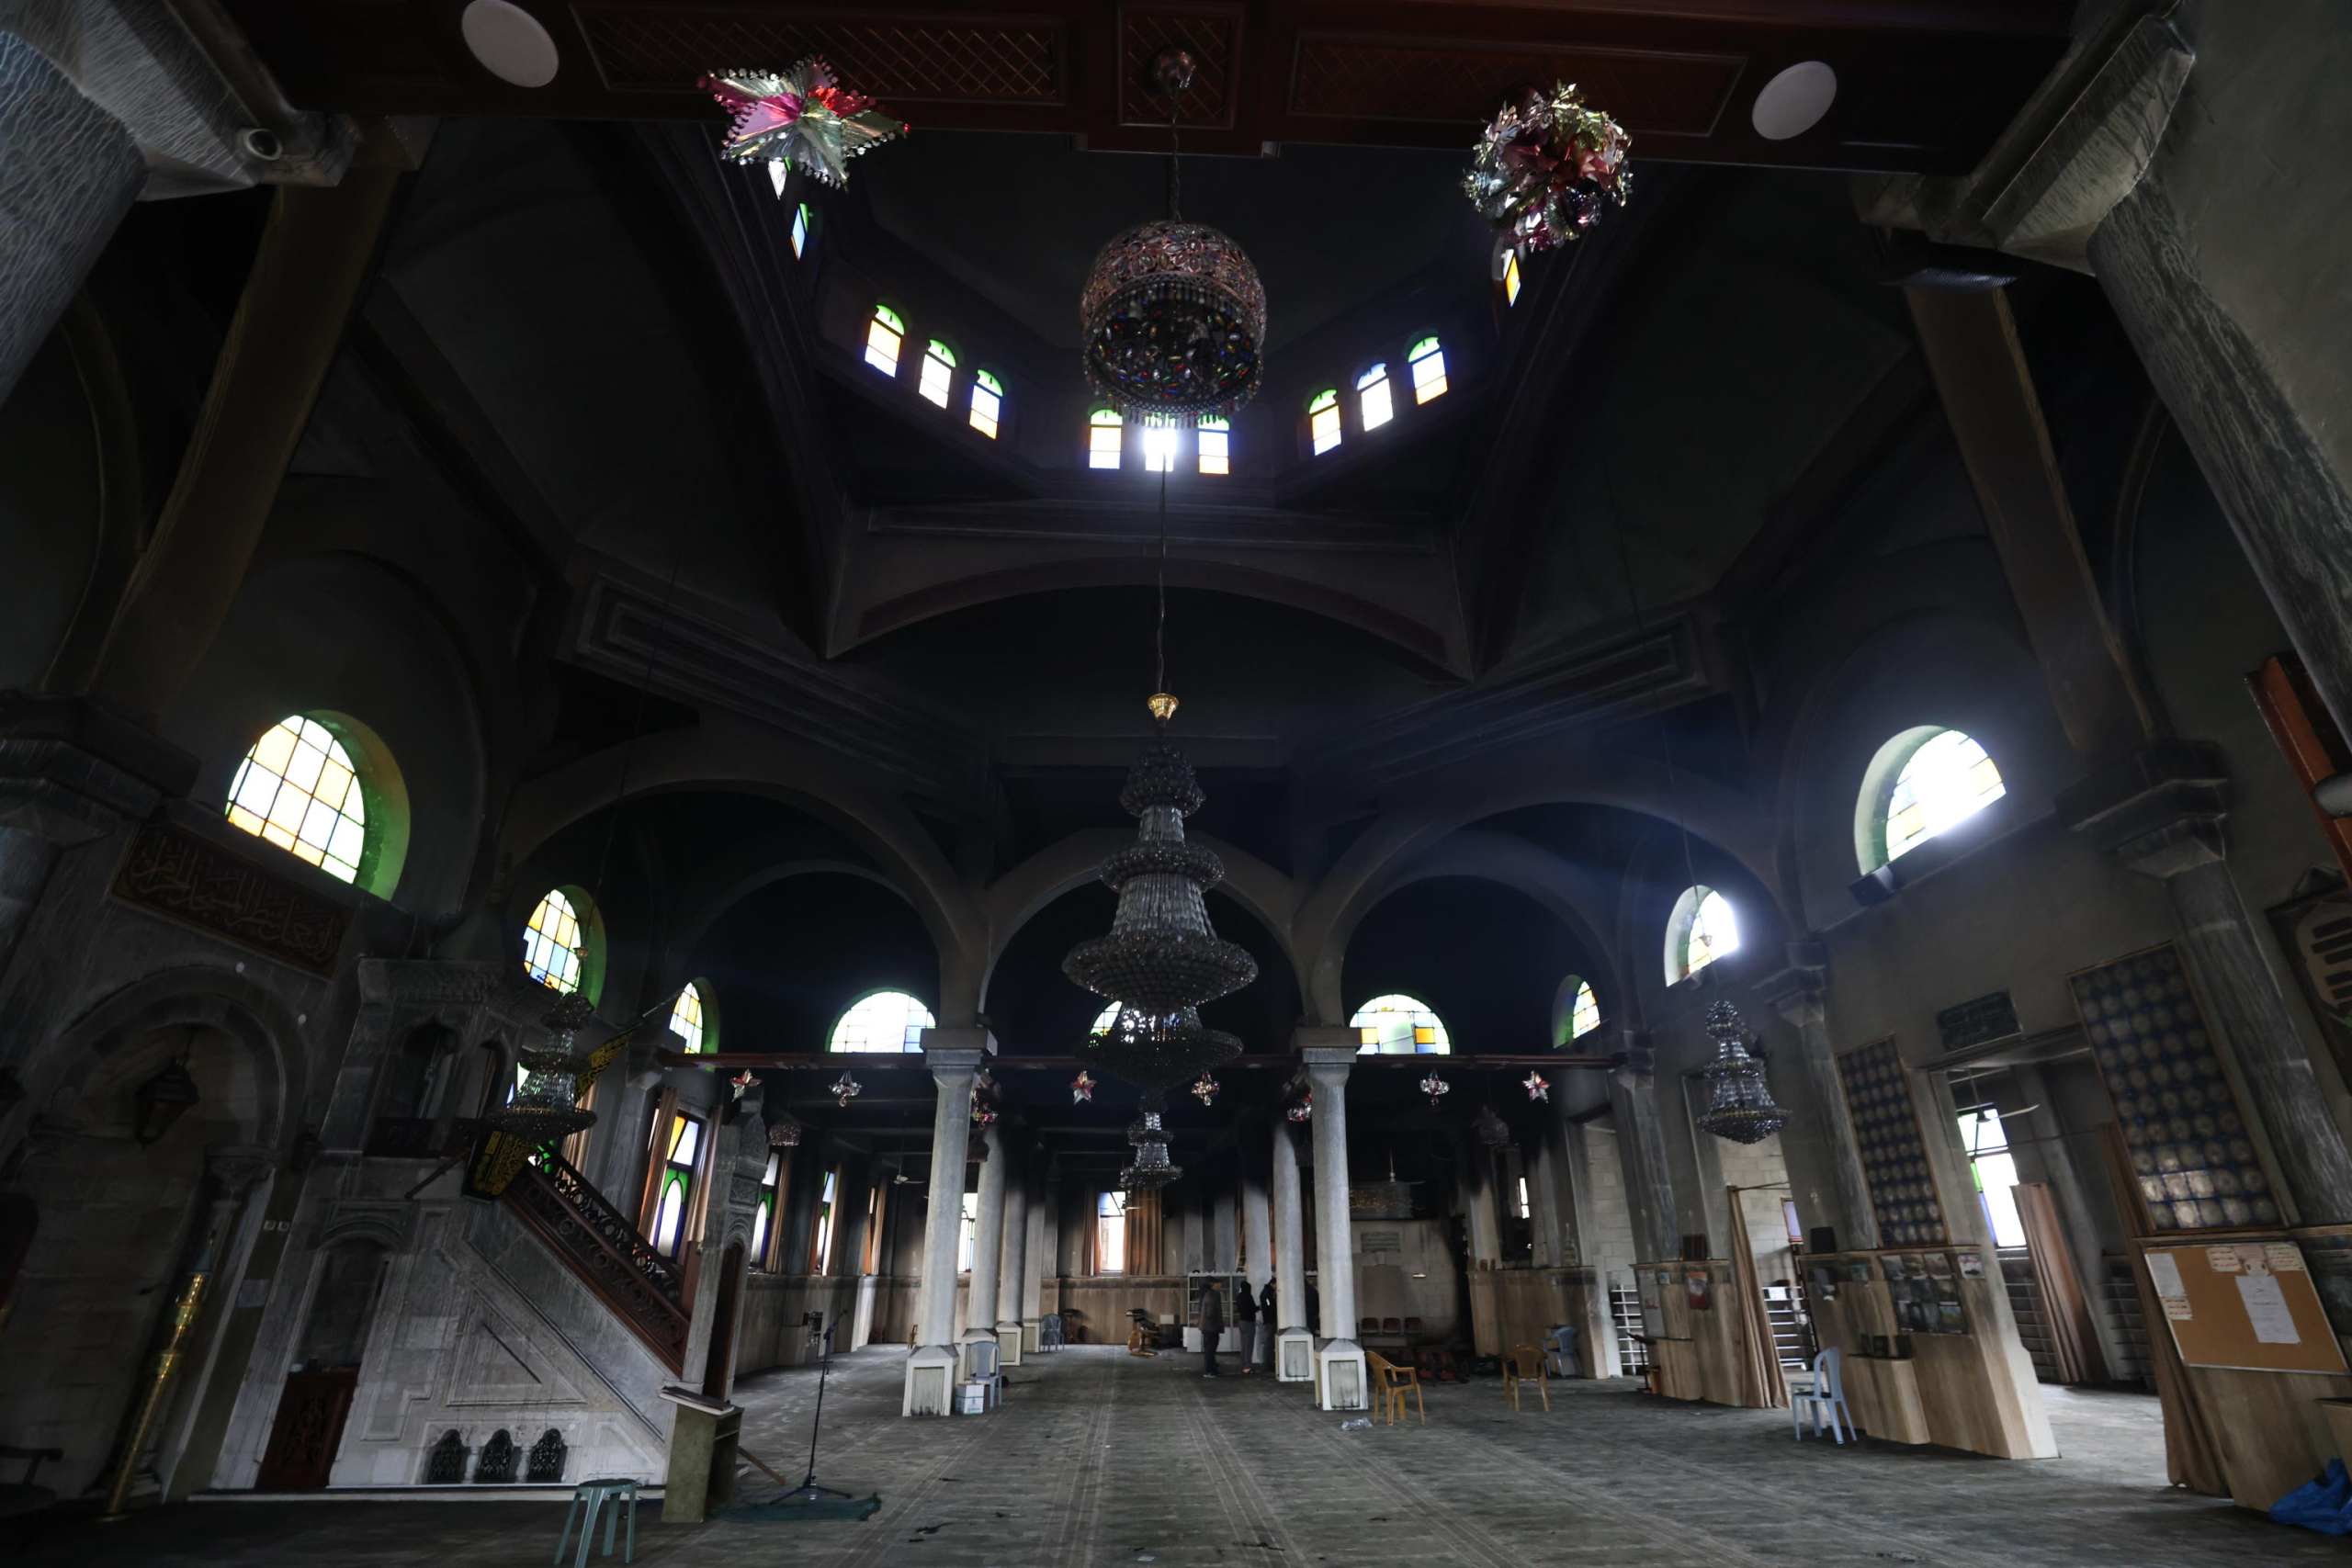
x=1245 y=1322
x=1267 y=1312
x=1212 y=1327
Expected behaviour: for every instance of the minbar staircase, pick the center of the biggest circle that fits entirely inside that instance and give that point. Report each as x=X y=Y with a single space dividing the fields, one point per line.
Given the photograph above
x=597 y=1242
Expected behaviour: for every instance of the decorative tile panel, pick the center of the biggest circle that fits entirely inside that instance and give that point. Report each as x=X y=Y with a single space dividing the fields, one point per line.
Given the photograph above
x=1894 y=1155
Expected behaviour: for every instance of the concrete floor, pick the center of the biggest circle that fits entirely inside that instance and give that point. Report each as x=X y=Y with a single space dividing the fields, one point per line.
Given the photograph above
x=1098 y=1460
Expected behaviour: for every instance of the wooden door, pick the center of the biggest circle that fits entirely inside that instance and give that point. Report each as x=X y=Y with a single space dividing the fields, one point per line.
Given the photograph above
x=309 y=1429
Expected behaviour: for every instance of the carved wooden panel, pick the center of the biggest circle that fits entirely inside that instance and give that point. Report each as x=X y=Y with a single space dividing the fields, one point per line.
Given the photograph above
x=1211 y=33
x=645 y=1290
x=184 y=876
x=1364 y=78
x=908 y=57
x=308 y=1430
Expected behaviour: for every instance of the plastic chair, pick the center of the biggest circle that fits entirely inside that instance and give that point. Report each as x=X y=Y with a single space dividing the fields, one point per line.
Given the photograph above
x=1827 y=1395
x=1369 y=1326
x=25 y=1496
x=1392 y=1326
x=985 y=1355
x=1391 y=1383
x=588 y=1499
x=1050 y=1331
x=1560 y=1353
x=1524 y=1365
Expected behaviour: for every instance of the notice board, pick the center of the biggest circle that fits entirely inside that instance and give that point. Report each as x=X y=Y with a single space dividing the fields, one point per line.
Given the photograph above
x=2249 y=1305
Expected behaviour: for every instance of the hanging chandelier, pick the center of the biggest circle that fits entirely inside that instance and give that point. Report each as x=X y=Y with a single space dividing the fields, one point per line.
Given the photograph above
x=1173 y=317
x=1739 y=1103
x=547 y=1105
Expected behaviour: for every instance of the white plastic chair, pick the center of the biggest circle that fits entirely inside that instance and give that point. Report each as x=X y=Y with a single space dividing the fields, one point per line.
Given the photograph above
x=1560 y=1352
x=985 y=1353
x=1826 y=1397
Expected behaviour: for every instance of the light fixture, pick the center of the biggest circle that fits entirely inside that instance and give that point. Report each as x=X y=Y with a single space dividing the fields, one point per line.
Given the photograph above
x=1739 y=1103
x=545 y=1106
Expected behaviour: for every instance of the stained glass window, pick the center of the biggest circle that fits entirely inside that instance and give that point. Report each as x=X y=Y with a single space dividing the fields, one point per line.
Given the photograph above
x=938 y=373
x=883 y=333
x=1428 y=361
x=1996 y=1171
x=987 y=403
x=1510 y=278
x=1214 y=438
x=1105 y=1018
x=1373 y=399
x=555 y=941
x=1111 y=1232
x=1400 y=1026
x=299 y=789
x=821 y=1249
x=676 y=1195
x=800 y=229
x=1323 y=420
x=1103 y=439
x=1584 y=1012
x=1704 y=929
x=686 y=1019
x=887 y=1020
x=1159 y=448
x=764 y=1217
x=1948 y=779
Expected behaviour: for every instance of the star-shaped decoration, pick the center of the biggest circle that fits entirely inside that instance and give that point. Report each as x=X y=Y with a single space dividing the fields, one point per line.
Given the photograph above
x=743 y=1082
x=1536 y=1087
x=1081 y=1088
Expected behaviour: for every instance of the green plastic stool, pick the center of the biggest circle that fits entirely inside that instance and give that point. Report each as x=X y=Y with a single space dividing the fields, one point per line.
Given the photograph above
x=620 y=1494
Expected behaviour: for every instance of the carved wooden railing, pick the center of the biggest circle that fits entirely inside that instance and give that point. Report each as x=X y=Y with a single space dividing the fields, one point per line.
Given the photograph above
x=645 y=1290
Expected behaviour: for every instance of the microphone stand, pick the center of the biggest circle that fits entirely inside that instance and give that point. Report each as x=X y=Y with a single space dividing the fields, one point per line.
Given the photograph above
x=809 y=1491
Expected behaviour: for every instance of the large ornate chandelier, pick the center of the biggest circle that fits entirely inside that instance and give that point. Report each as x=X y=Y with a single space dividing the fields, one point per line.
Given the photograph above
x=1161 y=959
x=1173 y=317
x=1739 y=1103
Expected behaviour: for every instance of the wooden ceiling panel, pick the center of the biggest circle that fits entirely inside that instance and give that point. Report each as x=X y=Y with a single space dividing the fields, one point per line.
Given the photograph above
x=907 y=59
x=1355 y=78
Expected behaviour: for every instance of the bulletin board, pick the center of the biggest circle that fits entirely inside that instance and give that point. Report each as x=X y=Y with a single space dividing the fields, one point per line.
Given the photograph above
x=2248 y=1304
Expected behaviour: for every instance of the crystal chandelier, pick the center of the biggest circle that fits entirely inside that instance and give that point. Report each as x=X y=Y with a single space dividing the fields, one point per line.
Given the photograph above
x=1161 y=959
x=546 y=1106
x=1173 y=317
x=1739 y=1103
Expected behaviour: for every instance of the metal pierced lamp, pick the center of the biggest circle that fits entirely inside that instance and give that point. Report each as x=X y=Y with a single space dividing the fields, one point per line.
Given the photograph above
x=1739 y=1103
x=546 y=1106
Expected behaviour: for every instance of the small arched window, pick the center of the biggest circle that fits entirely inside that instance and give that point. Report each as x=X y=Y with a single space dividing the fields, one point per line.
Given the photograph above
x=559 y=943
x=1158 y=447
x=1579 y=1010
x=1510 y=277
x=1400 y=1025
x=987 y=403
x=801 y=219
x=938 y=373
x=1104 y=1020
x=1704 y=929
x=1922 y=782
x=300 y=789
x=1323 y=420
x=1427 y=362
x=691 y=1020
x=1372 y=400
x=887 y=1020
x=1103 y=439
x=884 y=335
x=1213 y=440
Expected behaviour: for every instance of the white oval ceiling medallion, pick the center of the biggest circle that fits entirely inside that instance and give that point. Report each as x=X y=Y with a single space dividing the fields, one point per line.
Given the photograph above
x=510 y=43
x=1793 y=102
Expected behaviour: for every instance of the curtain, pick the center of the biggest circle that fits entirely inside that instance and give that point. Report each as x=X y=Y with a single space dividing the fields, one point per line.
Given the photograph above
x=2065 y=1308
x=2190 y=1459
x=1761 y=1386
x=1142 y=1232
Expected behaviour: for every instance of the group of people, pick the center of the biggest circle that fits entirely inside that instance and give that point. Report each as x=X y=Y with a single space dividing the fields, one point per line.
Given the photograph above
x=1253 y=1321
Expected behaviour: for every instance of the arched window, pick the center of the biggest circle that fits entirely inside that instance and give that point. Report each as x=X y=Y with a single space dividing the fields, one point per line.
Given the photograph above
x=1510 y=277
x=1158 y=447
x=559 y=949
x=1921 y=782
x=764 y=1217
x=1323 y=420
x=1579 y=1010
x=1103 y=439
x=1373 y=401
x=883 y=333
x=691 y=1020
x=800 y=217
x=300 y=788
x=671 y=1203
x=1400 y=1026
x=1704 y=929
x=987 y=403
x=1214 y=437
x=1104 y=1020
x=938 y=373
x=887 y=1020
x=1427 y=362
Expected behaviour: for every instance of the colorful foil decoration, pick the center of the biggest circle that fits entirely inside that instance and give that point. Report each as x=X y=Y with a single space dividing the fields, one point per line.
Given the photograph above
x=846 y=1088
x=983 y=1116
x=1436 y=1088
x=1536 y=1086
x=1546 y=168
x=1304 y=1109
x=1205 y=1089
x=801 y=118
x=742 y=1082
x=1081 y=1088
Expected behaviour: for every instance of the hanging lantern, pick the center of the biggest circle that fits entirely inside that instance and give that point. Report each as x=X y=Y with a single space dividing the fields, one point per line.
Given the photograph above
x=1739 y=1103
x=1436 y=1088
x=845 y=1088
x=547 y=1105
x=1546 y=166
x=1150 y=1167
x=1491 y=1129
x=784 y=1132
x=163 y=1099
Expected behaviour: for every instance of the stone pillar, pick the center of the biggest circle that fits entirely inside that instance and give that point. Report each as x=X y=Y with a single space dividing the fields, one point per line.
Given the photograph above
x=1294 y=1344
x=953 y=1056
x=1796 y=992
x=1012 y=1264
x=72 y=172
x=1038 y=1240
x=987 y=1245
x=1340 y=1376
x=1649 y=1189
x=1257 y=1219
x=2161 y=813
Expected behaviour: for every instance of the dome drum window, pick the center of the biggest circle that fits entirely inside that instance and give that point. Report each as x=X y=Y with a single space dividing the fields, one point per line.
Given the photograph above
x=1428 y=363
x=987 y=403
x=1103 y=439
x=938 y=373
x=1212 y=443
x=1323 y=421
x=1374 y=405
x=884 y=335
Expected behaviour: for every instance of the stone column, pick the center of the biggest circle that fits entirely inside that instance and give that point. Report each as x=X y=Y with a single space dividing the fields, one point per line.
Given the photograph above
x=1796 y=992
x=987 y=1245
x=953 y=1056
x=2161 y=813
x=1649 y=1188
x=1037 y=1246
x=1012 y=1264
x=73 y=171
x=1329 y=1053
x=1294 y=1343
x=1257 y=1219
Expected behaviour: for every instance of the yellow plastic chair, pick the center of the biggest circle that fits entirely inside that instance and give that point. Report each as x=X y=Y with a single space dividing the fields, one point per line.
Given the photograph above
x=1391 y=1383
x=1524 y=1364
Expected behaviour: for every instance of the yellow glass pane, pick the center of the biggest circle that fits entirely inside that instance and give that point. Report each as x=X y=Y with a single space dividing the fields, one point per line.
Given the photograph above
x=273 y=748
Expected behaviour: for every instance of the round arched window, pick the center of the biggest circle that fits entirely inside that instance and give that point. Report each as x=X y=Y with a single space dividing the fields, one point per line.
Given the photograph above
x=321 y=789
x=887 y=1020
x=1704 y=929
x=1400 y=1026
x=1104 y=1020
x=693 y=1020
x=1922 y=782
x=562 y=945
x=1579 y=1009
